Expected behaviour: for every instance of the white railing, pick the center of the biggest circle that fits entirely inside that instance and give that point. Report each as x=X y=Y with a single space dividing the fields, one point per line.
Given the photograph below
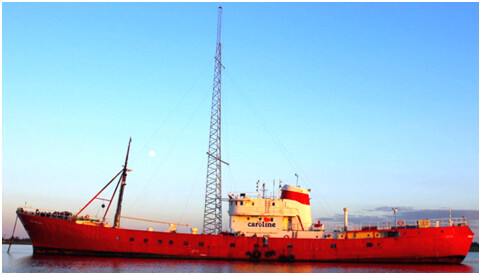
x=64 y=215
x=401 y=224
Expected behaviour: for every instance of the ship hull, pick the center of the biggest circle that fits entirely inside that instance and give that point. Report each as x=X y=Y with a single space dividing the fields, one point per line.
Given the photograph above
x=414 y=245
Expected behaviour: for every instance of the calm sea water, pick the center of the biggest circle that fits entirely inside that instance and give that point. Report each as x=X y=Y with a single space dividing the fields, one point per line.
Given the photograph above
x=21 y=259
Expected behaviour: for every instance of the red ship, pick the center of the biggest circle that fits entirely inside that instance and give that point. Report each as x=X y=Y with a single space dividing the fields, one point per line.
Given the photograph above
x=275 y=228
x=283 y=233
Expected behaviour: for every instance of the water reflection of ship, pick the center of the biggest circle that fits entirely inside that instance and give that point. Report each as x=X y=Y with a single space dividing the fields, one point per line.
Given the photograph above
x=53 y=263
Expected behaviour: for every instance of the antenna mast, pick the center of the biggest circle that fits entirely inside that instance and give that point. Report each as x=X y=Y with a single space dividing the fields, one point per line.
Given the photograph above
x=122 y=186
x=213 y=191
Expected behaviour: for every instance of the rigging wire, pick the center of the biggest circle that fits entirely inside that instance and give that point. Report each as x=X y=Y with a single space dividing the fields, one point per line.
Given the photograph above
x=226 y=148
x=169 y=150
x=282 y=148
x=172 y=111
x=194 y=184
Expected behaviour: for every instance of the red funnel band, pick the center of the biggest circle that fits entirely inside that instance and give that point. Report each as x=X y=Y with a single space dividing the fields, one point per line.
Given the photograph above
x=295 y=196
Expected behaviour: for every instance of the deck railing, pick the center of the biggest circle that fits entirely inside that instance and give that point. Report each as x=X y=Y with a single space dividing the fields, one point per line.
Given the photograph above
x=401 y=224
x=63 y=215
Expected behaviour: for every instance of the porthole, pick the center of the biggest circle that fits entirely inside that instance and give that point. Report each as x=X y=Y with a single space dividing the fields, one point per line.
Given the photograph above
x=131 y=239
x=171 y=242
x=159 y=241
x=146 y=240
x=201 y=244
x=186 y=243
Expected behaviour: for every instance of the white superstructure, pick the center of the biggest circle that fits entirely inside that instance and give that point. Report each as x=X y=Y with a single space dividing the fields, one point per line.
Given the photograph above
x=285 y=217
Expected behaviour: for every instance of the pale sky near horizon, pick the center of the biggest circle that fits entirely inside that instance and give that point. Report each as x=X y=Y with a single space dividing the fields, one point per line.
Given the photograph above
x=372 y=104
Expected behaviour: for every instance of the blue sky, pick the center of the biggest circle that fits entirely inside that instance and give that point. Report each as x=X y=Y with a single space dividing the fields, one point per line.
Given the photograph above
x=372 y=105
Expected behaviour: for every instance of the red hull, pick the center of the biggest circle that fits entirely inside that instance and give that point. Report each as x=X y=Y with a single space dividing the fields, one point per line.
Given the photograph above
x=423 y=245
x=433 y=245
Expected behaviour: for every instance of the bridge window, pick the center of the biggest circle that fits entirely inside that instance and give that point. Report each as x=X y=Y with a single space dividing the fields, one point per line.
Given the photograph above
x=201 y=244
x=131 y=239
x=289 y=245
x=186 y=243
x=333 y=245
x=159 y=241
x=145 y=240
x=368 y=244
x=171 y=242
x=232 y=245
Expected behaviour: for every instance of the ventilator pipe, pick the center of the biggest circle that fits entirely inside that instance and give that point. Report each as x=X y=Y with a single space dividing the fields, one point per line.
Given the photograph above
x=346 y=223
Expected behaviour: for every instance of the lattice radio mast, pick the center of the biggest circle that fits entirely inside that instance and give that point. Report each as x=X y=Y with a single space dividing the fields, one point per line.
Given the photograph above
x=213 y=190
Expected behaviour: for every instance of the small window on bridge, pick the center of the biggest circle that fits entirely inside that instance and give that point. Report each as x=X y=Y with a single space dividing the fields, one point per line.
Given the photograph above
x=333 y=245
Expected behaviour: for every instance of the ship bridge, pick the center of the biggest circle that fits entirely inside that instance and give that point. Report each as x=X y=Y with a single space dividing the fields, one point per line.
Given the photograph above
x=286 y=216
